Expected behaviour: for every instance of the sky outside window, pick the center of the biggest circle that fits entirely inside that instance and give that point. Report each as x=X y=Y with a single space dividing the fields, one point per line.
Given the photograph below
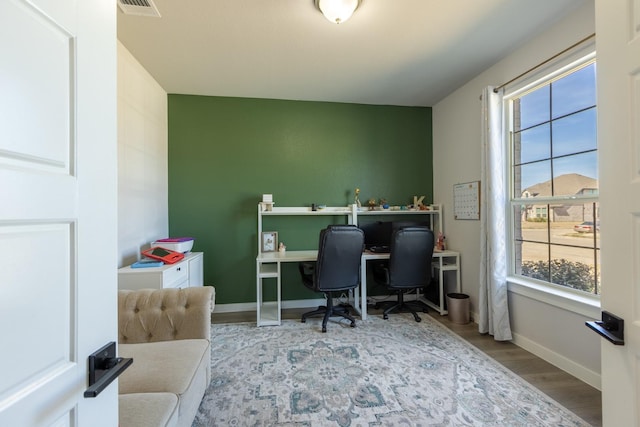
x=574 y=92
x=558 y=120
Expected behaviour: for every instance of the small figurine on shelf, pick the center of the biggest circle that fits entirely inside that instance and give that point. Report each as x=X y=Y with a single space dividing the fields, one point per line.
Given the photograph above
x=372 y=204
x=384 y=204
x=357 y=198
x=440 y=242
x=281 y=247
x=267 y=202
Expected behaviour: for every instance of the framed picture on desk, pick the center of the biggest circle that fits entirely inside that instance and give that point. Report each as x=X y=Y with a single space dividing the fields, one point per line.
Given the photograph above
x=269 y=241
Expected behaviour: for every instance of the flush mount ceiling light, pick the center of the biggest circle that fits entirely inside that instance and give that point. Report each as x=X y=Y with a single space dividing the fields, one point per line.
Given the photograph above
x=337 y=11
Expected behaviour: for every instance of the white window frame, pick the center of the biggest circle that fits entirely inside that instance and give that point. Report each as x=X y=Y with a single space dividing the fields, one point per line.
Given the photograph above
x=556 y=295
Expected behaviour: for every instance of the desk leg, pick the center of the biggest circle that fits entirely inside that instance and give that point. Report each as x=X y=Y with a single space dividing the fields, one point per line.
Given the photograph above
x=279 y=294
x=458 y=284
x=442 y=288
x=354 y=299
x=363 y=290
x=258 y=294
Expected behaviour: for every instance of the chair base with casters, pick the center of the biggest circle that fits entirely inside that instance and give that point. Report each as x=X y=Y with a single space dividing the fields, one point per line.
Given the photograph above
x=328 y=311
x=412 y=306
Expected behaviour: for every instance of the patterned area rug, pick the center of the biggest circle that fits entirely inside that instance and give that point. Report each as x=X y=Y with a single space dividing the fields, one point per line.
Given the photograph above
x=392 y=372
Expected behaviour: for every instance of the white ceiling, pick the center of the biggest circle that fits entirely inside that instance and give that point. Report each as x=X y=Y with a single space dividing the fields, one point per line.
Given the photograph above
x=391 y=52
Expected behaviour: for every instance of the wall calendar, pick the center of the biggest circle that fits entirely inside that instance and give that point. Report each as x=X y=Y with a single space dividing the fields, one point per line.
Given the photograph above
x=466 y=200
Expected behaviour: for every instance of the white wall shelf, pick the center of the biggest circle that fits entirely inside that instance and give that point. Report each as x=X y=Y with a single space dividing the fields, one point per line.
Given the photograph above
x=352 y=212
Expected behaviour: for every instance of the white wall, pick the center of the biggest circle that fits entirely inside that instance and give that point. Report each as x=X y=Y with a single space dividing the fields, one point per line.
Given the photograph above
x=142 y=159
x=555 y=333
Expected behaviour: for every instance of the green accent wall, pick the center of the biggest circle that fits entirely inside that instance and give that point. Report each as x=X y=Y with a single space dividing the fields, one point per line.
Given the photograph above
x=224 y=153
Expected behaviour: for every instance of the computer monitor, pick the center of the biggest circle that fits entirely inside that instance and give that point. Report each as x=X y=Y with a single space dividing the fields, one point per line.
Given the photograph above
x=377 y=235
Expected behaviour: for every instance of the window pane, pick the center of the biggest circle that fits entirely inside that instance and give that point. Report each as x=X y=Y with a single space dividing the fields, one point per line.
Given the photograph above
x=535 y=144
x=574 y=92
x=573 y=267
x=534 y=179
x=535 y=261
x=573 y=225
x=585 y=231
x=585 y=238
x=575 y=133
x=561 y=230
x=534 y=228
x=534 y=108
x=574 y=175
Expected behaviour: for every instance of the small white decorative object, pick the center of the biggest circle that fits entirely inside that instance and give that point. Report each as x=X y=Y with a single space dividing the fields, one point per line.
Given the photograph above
x=281 y=247
x=267 y=202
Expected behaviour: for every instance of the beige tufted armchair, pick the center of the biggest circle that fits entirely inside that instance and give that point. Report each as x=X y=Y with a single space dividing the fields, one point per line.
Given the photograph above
x=167 y=332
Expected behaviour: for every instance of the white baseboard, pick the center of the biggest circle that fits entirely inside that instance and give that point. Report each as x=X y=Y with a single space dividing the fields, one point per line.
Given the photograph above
x=583 y=374
x=588 y=376
x=580 y=372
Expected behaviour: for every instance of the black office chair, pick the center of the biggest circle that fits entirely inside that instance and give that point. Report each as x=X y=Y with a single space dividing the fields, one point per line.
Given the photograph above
x=409 y=268
x=337 y=269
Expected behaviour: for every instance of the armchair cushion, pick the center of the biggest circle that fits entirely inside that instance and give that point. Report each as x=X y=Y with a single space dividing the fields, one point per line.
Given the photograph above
x=148 y=409
x=163 y=366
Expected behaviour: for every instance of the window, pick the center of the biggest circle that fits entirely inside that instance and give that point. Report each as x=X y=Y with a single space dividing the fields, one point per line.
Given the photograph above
x=541 y=212
x=554 y=205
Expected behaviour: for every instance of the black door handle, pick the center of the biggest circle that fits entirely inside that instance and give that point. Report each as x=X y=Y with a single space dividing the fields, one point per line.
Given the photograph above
x=610 y=327
x=104 y=367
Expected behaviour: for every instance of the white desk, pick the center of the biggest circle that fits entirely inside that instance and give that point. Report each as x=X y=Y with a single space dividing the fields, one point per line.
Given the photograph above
x=268 y=265
x=442 y=261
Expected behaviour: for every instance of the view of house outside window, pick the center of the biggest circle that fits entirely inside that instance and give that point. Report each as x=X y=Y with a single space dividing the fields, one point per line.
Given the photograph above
x=554 y=181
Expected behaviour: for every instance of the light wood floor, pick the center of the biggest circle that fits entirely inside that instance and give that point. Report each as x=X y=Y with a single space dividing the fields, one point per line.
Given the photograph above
x=573 y=394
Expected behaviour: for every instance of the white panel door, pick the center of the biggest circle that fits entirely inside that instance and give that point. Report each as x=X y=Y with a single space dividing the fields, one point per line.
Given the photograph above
x=618 y=51
x=58 y=219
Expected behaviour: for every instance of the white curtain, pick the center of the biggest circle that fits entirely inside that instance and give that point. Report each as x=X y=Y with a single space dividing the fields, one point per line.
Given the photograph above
x=493 y=305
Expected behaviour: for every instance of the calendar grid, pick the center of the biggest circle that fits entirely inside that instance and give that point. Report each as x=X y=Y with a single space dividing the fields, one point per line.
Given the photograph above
x=466 y=200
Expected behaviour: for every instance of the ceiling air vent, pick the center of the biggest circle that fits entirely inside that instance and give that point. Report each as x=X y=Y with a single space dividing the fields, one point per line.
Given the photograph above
x=139 y=7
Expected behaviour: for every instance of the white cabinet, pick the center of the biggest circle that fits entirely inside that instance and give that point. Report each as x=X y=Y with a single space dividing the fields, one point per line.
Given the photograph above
x=183 y=274
x=196 y=270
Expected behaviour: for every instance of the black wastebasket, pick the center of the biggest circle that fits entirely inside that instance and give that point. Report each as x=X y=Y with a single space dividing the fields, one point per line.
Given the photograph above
x=458 y=308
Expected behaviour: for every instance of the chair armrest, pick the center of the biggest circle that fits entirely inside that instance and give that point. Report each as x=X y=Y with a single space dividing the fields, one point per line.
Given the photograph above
x=149 y=315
